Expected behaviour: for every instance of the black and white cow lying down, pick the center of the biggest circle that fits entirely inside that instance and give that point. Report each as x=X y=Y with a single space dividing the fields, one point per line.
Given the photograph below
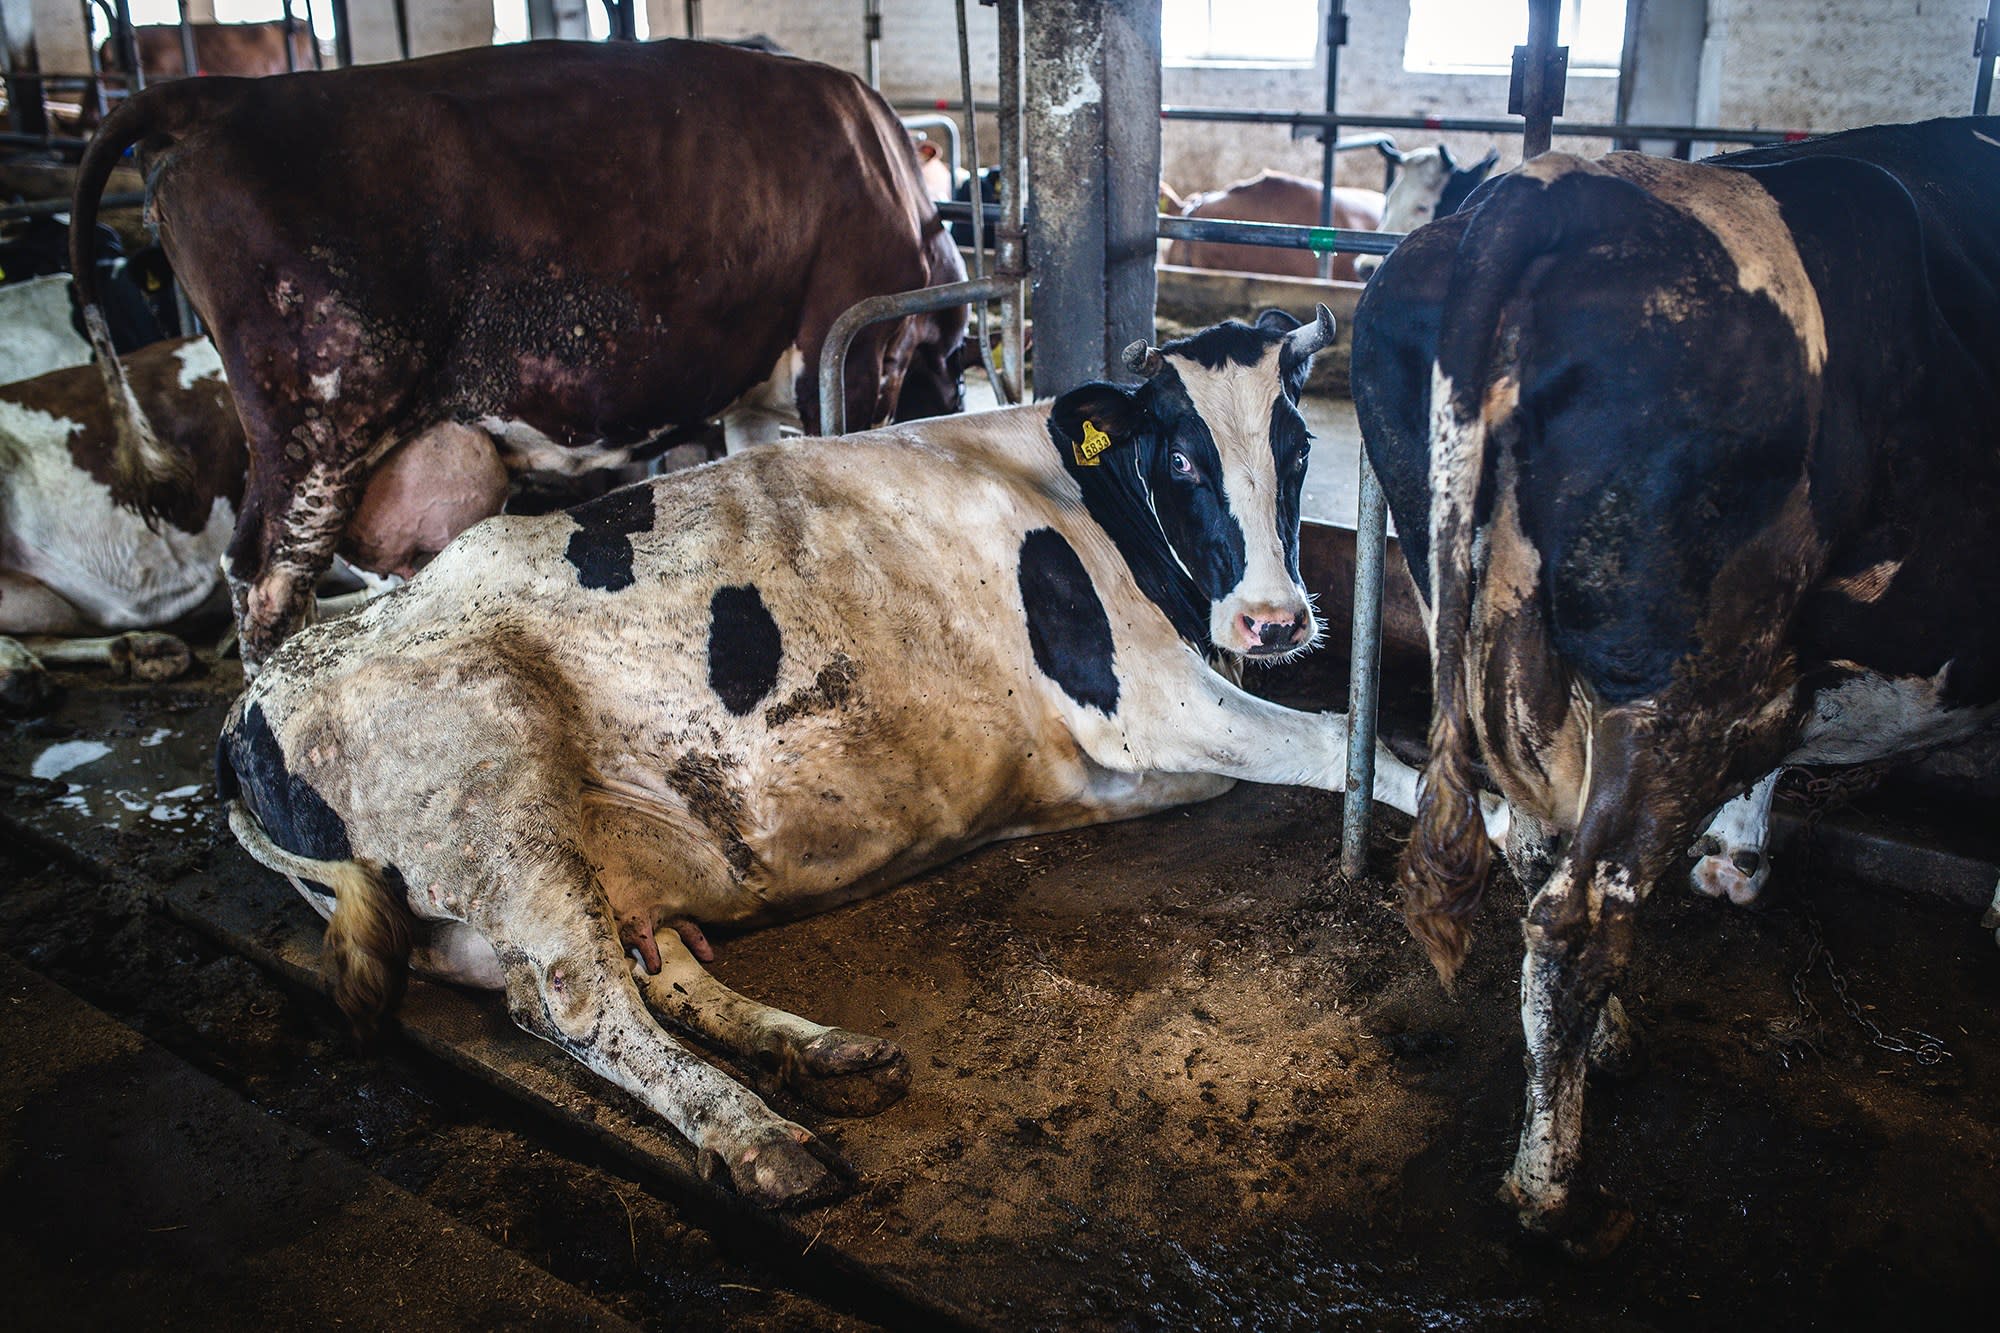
x=1695 y=467
x=773 y=684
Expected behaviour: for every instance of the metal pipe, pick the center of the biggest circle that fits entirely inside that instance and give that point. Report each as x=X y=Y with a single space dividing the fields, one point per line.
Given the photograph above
x=1985 y=46
x=1538 y=103
x=951 y=134
x=190 y=66
x=871 y=40
x=1476 y=125
x=12 y=140
x=312 y=38
x=1320 y=240
x=978 y=214
x=128 y=44
x=624 y=20
x=1371 y=540
x=402 y=27
x=1329 y=133
x=1011 y=258
x=291 y=56
x=343 y=37
x=38 y=208
x=691 y=15
x=873 y=310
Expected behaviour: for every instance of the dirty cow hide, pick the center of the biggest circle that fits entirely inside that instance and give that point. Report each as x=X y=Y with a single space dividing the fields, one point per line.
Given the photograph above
x=768 y=686
x=1694 y=469
x=571 y=248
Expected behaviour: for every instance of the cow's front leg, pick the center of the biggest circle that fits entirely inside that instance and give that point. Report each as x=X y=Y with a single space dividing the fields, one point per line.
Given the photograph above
x=145 y=655
x=1732 y=856
x=837 y=1071
x=1207 y=725
x=568 y=981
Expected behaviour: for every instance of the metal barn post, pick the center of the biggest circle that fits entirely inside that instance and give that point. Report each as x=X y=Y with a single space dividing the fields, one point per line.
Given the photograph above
x=1540 y=69
x=343 y=39
x=871 y=41
x=1010 y=240
x=1093 y=138
x=1329 y=133
x=291 y=56
x=1985 y=46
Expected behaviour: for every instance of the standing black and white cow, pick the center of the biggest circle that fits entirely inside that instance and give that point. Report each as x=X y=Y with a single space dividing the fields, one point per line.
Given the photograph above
x=778 y=683
x=1695 y=470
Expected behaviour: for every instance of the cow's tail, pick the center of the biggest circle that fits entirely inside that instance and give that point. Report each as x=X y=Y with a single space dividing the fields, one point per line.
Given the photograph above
x=369 y=935
x=142 y=467
x=1473 y=386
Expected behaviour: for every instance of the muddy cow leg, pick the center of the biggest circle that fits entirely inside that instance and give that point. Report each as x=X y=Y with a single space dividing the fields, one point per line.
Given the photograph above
x=567 y=981
x=1578 y=932
x=837 y=1071
x=146 y=655
x=285 y=540
x=1732 y=856
x=1532 y=850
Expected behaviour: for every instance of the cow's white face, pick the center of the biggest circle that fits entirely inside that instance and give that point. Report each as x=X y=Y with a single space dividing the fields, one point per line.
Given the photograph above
x=1210 y=455
x=1420 y=180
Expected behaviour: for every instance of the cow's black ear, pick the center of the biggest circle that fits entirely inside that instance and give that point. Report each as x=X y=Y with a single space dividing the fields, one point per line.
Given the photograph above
x=1276 y=321
x=1087 y=420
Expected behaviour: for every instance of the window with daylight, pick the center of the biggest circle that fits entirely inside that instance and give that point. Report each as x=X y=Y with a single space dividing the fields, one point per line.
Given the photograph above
x=1239 y=32
x=1479 y=36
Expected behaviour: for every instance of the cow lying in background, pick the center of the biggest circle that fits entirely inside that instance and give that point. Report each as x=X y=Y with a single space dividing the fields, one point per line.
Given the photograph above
x=1275 y=196
x=569 y=247
x=1693 y=466
x=768 y=686
x=77 y=555
x=1429 y=185
x=96 y=540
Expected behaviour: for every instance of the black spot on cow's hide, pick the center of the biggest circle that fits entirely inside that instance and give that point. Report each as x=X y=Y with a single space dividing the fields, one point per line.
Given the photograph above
x=601 y=546
x=1067 y=627
x=249 y=761
x=743 y=648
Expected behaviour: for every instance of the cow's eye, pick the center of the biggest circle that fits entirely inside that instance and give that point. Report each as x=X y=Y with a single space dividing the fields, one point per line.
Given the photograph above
x=1182 y=465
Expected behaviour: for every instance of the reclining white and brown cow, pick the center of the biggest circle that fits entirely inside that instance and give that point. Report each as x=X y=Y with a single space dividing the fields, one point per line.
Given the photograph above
x=771 y=685
x=103 y=539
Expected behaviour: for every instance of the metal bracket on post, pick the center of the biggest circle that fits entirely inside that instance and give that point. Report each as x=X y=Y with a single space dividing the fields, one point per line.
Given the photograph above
x=1555 y=72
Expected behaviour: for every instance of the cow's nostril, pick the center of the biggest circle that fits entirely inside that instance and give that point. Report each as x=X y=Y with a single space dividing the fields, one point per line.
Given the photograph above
x=1275 y=633
x=1747 y=862
x=1708 y=847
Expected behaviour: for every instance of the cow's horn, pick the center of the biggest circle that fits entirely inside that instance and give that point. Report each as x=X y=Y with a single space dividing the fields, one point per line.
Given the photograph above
x=1306 y=339
x=1141 y=358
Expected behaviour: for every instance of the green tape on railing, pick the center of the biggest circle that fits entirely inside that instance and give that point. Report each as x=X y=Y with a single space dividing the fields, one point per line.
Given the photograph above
x=1320 y=240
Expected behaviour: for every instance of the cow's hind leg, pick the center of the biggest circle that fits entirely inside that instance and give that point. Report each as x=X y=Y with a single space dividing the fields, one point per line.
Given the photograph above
x=1579 y=931
x=25 y=688
x=837 y=1071
x=568 y=982
x=146 y=655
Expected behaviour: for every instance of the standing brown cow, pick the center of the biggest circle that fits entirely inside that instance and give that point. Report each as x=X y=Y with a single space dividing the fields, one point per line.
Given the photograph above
x=572 y=248
x=248 y=49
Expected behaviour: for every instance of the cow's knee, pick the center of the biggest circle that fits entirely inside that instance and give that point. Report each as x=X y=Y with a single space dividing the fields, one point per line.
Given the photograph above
x=26 y=688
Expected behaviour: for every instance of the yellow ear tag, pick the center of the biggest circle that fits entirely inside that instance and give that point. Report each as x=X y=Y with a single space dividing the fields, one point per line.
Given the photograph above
x=1094 y=443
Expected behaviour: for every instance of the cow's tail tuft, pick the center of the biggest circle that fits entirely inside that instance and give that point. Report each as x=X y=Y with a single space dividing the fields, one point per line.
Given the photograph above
x=1444 y=869
x=144 y=471
x=369 y=935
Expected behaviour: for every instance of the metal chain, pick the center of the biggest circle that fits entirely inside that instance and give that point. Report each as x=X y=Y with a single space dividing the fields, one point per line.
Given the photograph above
x=1824 y=792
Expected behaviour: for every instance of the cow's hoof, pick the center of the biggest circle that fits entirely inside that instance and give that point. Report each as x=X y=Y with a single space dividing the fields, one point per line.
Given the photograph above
x=778 y=1172
x=147 y=656
x=1588 y=1230
x=849 y=1074
x=26 y=688
x=1738 y=874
